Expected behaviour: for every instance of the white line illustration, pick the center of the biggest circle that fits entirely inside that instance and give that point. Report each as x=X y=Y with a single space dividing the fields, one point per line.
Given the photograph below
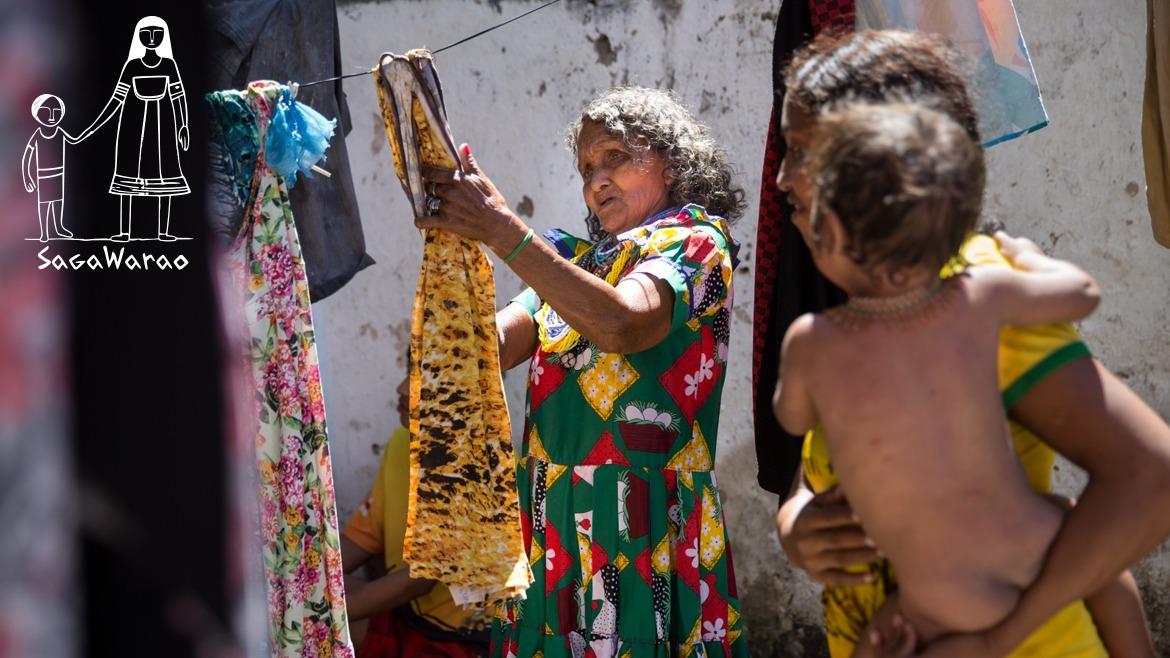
x=43 y=165
x=150 y=131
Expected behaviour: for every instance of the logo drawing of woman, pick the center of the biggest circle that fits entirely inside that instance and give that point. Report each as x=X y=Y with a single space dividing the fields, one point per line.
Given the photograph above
x=152 y=124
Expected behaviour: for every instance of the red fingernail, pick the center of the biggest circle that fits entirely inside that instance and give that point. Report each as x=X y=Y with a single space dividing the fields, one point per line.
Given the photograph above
x=467 y=149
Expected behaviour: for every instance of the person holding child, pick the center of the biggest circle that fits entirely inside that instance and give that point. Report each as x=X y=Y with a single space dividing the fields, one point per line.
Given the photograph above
x=898 y=188
x=1050 y=386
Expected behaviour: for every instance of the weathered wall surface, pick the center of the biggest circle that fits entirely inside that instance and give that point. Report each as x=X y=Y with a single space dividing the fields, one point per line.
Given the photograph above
x=1076 y=187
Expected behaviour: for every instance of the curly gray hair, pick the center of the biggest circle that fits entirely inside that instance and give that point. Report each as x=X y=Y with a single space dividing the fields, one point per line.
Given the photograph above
x=655 y=119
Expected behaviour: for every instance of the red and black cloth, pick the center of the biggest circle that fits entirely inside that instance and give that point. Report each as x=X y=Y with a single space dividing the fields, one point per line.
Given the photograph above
x=787 y=283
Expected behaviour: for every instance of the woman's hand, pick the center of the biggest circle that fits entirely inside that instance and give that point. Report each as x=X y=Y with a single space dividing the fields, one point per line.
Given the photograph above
x=822 y=537
x=470 y=205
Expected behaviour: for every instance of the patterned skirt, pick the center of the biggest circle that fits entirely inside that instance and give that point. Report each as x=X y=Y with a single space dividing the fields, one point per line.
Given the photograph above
x=628 y=561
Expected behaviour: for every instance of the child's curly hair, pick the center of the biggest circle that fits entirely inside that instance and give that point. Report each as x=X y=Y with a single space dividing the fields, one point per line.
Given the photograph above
x=906 y=183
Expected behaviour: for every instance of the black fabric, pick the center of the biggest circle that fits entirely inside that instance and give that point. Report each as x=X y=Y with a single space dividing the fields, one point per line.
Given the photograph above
x=800 y=287
x=148 y=393
x=295 y=42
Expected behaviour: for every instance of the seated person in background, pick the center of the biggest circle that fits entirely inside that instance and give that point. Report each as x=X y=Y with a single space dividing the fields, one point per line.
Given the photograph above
x=923 y=455
x=396 y=616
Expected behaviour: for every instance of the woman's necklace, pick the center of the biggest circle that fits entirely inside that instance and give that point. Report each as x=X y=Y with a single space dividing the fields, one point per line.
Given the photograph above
x=902 y=309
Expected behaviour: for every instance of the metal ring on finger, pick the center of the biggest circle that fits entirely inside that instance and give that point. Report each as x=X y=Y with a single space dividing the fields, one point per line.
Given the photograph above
x=433 y=203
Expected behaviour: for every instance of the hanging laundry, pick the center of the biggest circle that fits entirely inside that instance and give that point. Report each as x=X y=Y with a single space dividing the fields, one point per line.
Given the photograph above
x=463 y=520
x=280 y=40
x=266 y=139
x=1003 y=81
x=787 y=283
x=1156 y=118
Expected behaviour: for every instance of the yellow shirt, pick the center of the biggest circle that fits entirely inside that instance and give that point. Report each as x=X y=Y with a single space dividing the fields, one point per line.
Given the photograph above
x=379 y=526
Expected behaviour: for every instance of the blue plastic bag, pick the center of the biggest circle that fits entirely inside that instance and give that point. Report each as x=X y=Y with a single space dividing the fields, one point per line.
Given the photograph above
x=297 y=138
x=1003 y=84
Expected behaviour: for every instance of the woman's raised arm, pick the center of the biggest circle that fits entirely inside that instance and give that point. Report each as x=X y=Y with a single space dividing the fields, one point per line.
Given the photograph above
x=628 y=317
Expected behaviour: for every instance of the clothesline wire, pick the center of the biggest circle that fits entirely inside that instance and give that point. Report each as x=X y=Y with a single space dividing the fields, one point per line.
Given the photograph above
x=436 y=52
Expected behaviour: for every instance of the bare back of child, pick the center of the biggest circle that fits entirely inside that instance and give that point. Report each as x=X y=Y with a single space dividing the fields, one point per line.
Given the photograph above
x=903 y=376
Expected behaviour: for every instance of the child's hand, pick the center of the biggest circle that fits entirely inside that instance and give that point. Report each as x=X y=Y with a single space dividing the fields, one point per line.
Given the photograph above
x=888 y=635
x=1013 y=248
x=896 y=641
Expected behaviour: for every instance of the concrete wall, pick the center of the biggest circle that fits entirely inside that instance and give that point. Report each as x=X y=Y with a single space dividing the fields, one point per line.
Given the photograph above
x=1076 y=187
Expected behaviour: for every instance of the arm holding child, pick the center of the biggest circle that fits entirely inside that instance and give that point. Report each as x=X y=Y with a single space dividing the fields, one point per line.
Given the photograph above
x=1075 y=409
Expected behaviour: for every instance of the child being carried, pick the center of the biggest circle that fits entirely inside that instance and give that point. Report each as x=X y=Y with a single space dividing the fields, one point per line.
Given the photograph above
x=903 y=375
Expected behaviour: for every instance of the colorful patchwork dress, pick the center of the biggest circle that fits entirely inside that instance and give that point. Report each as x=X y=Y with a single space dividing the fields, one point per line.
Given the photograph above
x=619 y=501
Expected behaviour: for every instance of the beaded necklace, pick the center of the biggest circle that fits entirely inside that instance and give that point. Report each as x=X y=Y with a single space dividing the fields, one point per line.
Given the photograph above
x=903 y=309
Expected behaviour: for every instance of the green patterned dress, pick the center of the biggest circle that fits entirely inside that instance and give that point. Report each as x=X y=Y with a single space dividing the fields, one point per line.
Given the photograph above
x=619 y=502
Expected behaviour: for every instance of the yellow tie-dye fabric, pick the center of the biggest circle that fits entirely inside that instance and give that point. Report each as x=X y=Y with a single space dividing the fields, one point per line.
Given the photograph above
x=463 y=518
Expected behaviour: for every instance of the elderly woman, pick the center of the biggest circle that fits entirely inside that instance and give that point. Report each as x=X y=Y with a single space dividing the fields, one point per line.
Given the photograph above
x=1051 y=388
x=626 y=340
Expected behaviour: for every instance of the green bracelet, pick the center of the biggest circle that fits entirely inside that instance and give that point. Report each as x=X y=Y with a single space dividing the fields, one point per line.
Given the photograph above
x=523 y=243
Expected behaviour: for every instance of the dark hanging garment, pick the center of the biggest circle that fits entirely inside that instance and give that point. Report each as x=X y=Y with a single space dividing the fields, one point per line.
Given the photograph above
x=298 y=42
x=787 y=284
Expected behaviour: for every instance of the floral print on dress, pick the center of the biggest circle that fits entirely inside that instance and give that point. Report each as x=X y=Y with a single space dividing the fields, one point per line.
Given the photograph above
x=617 y=487
x=298 y=515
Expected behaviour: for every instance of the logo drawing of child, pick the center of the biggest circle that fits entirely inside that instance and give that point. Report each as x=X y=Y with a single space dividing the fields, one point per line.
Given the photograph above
x=43 y=164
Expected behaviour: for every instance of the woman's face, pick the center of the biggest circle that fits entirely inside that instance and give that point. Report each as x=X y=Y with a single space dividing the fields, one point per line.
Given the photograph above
x=151 y=36
x=622 y=186
x=797 y=126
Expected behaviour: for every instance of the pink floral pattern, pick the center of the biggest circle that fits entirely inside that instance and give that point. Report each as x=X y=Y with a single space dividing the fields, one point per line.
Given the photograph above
x=298 y=516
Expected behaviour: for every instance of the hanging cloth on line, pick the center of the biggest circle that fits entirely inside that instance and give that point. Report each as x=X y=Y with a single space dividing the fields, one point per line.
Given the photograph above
x=463 y=520
x=1156 y=118
x=253 y=39
x=265 y=139
x=1003 y=82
